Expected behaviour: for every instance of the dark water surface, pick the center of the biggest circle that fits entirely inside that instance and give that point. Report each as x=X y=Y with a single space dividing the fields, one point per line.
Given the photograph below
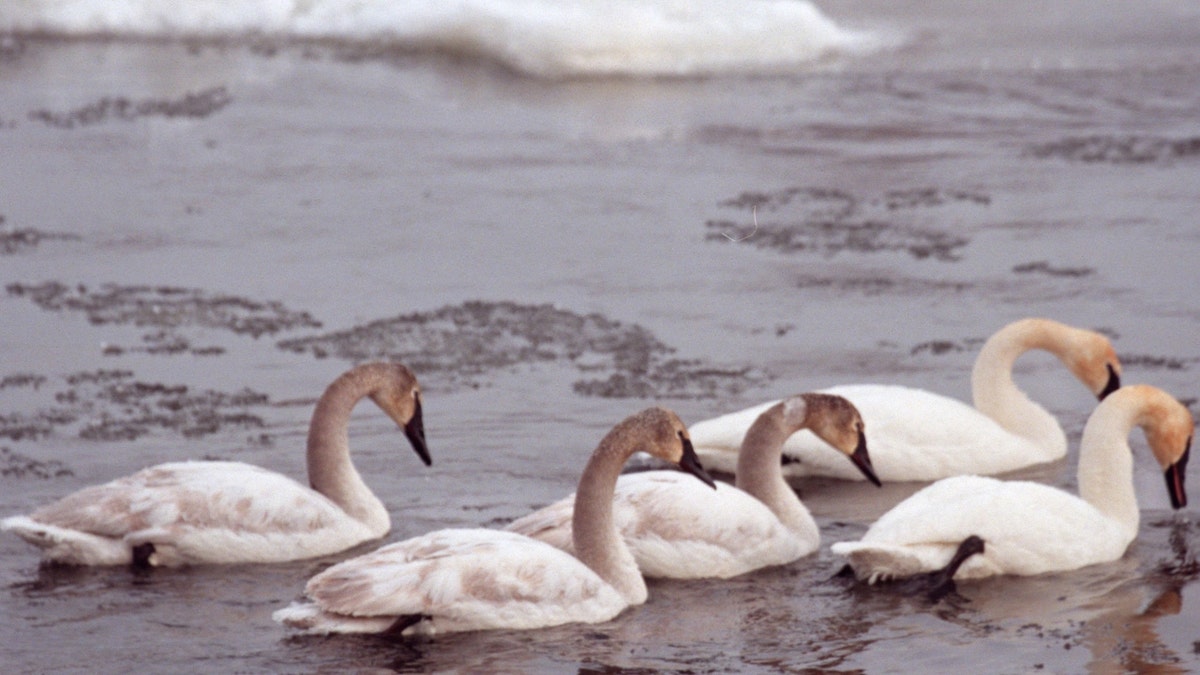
x=196 y=239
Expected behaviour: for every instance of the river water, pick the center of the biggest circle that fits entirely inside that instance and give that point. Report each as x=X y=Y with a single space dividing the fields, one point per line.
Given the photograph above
x=199 y=234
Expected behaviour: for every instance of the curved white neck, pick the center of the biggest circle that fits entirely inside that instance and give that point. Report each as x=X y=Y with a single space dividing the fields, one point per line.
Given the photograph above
x=760 y=473
x=1106 y=463
x=330 y=470
x=996 y=395
x=598 y=544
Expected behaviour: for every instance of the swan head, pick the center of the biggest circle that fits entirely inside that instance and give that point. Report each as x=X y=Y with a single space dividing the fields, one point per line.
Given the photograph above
x=836 y=421
x=399 y=396
x=1092 y=359
x=1169 y=430
x=664 y=436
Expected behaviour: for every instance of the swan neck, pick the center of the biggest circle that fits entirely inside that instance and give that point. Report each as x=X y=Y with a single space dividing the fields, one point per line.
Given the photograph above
x=597 y=542
x=996 y=395
x=330 y=470
x=1105 y=471
x=760 y=473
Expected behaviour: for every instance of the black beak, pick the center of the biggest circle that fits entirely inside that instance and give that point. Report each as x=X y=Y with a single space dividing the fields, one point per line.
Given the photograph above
x=691 y=464
x=1175 y=477
x=1114 y=382
x=863 y=461
x=415 y=430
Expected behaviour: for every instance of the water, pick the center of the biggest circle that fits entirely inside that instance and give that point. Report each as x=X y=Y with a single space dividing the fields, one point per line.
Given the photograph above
x=181 y=214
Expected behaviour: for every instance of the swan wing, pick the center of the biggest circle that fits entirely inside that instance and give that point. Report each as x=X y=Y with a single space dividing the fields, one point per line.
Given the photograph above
x=467 y=579
x=550 y=524
x=718 y=440
x=679 y=528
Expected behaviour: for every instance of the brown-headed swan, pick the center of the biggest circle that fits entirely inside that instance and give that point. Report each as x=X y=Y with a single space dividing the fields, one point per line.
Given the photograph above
x=675 y=531
x=476 y=579
x=184 y=513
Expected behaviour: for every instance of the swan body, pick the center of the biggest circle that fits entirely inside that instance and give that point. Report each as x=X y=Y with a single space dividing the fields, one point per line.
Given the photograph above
x=184 y=513
x=676 y=528
x=916 y=435
x=462 y=580
x=1031 y=528
x=476 y=579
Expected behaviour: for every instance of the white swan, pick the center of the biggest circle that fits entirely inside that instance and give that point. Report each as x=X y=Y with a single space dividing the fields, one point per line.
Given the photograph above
x=224 y=512
x=477 y=579
x=1031 y=528
x=916 y=435
x=676 y=532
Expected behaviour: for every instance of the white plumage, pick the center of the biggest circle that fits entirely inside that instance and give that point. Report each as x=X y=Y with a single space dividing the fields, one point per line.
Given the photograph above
x=1031 y=528
x=916 y=435
x=476 y=579
x=455 y=580
x=224 y=512
x=675 y=530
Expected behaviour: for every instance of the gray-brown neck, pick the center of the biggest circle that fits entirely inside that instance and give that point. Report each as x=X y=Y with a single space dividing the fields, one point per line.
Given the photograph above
x=598 y=544
x=759 y=469
x=330 y=470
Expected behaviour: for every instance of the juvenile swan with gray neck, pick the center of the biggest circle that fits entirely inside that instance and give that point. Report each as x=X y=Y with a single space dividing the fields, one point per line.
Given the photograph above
x=477 y=579
x=185 y=513
x=676 y=532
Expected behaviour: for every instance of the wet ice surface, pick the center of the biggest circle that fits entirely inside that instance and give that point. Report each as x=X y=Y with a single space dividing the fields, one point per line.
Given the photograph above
x=551 y=257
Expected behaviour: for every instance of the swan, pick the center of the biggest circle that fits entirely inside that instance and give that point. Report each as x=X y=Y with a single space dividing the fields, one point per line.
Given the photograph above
x=676 y=532
x=1031 y=528
x=477 y=579
x=183 y=513
x=916 y=435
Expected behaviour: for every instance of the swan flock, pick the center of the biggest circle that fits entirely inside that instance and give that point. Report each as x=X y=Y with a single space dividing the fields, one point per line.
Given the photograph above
x=585 y=558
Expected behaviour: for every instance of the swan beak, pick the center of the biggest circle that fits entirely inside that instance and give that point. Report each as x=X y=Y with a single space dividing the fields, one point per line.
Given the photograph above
x=1175 y=476
x=1114 y=383
x=863 y=461
x=414 y=429
x=691 y=464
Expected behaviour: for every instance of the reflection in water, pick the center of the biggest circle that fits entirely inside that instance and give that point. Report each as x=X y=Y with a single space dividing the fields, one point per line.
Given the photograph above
x=1126 y=639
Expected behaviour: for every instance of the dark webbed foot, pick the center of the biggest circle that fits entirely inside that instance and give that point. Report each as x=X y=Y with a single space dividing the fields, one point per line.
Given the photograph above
x=141 y=556
x=940 y=583
x=403 y=622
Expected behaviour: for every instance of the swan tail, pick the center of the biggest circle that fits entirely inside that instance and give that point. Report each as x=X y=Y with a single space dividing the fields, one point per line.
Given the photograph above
x=310 y=619
x=69 y=547
x=881 y=562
